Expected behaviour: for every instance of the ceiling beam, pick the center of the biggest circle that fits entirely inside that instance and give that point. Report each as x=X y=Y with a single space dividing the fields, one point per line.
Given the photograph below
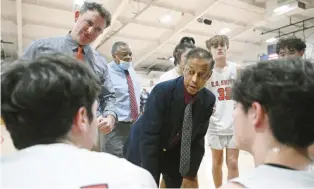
x=126 y=22
x=120 y=5
x=19 y=27
x=183 y=24
x=193 y=13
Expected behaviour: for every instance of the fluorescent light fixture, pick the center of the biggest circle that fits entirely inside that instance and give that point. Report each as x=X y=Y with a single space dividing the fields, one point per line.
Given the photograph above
x=283 y=9
x=224 y=30
x=271 y=40
x=165 y=19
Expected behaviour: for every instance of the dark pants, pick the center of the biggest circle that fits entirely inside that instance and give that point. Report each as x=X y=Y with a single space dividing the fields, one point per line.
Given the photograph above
x=113 y=142
x=169 y=164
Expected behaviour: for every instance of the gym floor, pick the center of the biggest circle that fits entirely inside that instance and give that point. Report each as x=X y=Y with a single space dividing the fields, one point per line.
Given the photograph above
x=205 y=176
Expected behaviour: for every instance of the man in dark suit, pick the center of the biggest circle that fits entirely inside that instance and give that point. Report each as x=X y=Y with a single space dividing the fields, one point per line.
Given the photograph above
x=169 y=137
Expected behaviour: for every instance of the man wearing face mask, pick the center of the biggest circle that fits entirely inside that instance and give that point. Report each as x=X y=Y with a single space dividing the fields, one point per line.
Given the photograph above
x=127 y=89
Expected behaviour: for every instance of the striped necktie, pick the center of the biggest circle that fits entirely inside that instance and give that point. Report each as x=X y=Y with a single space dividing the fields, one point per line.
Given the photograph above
x=133 y=103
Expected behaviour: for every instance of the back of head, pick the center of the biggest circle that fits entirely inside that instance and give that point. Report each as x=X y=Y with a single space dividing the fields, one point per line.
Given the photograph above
x=41 y=98
x=187 y=40
x=285 y=90
x=179 y=50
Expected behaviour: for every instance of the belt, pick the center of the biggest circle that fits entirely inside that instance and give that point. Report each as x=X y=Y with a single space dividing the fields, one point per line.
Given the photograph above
x=127 y=122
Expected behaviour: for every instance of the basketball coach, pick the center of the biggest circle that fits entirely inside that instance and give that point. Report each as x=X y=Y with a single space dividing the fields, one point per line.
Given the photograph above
x=168 y=138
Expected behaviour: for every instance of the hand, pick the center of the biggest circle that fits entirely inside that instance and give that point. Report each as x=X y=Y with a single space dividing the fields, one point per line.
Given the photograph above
x=106 y=124
x=189 y=183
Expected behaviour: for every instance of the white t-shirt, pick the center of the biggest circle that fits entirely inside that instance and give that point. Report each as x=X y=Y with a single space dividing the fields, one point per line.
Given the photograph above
x=266 y=176
x=220 y=83
x=66 y=166
x=171 y=74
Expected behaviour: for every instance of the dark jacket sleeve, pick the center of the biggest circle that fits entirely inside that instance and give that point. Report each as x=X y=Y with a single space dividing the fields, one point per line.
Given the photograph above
x=197 y=148
x=151 y=131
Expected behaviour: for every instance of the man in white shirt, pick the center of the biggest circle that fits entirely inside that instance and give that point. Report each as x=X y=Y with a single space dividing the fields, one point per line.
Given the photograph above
x=49 y=108
x=179 y=65
x=220 y=131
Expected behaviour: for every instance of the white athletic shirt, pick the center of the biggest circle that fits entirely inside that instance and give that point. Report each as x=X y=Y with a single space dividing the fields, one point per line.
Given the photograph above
x=171 y=74
x=266 y=176
x=220 y=83
x=66 y=166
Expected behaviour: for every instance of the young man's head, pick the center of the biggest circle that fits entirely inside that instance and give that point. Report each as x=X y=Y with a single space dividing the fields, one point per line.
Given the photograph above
x=122 y=54
x=51 y=99
x=218 y=46
x=290 y=47
x=90 y=22
x=198 y=69
x=178 y=52
x=187 y=40
x=274 y=105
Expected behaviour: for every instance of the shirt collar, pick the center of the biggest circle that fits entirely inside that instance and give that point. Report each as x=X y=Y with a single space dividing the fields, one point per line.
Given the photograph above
x=74 y=45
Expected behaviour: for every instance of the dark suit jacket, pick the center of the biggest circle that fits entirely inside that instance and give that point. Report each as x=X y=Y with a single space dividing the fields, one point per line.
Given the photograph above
x=152 y=133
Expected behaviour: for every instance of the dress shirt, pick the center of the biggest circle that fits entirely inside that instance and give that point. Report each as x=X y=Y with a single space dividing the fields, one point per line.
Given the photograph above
x=68 y=46
x=118 y=77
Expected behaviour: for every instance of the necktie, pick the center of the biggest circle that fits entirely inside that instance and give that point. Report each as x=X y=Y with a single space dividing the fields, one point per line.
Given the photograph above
x=80 y=54
x=186 y=140
x=133 y=104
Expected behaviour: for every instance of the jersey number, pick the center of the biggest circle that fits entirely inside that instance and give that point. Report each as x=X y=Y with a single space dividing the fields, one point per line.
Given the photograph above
x=224 y=93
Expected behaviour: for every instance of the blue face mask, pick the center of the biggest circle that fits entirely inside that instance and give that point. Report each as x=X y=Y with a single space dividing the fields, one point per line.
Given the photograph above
x=124 y=65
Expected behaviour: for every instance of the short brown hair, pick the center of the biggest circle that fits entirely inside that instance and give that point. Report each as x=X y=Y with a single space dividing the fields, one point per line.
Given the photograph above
x=103 y=12
x=217 y=40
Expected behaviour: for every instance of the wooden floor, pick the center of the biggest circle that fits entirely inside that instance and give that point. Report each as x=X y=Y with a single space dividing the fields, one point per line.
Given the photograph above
x=205 y=175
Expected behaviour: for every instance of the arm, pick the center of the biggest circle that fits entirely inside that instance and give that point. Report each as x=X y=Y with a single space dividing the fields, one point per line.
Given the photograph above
x=151 y=128
x=197 y=148
x=107 y=98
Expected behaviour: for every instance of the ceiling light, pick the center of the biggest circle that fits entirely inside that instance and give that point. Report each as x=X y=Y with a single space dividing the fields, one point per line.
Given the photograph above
x=224 y=30
x=283 y=9
x=271 y=40
x=165 y=19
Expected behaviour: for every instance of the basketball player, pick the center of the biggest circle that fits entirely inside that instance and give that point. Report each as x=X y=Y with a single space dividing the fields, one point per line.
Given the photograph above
x=220 y=131
x=290 y=47
x=273 y=122
x=185 y=44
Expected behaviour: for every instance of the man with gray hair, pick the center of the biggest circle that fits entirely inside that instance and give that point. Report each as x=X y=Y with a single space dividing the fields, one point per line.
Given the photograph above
x=90 y=21
x=128 y=92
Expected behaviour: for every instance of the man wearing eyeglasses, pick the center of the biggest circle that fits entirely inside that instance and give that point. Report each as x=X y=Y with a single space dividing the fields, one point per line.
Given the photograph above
x=90 y=21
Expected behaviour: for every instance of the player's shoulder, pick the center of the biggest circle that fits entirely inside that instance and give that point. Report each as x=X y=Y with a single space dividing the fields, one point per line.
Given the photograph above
x=117 y=167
